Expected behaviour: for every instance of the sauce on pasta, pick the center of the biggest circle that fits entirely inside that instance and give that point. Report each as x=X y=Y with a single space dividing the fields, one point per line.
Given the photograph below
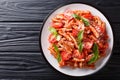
x=77 y=39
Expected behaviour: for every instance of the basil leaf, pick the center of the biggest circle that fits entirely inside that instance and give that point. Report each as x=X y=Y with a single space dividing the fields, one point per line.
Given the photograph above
x=92 y=60
x=58 y=53
x=58 y=37
x=58 y=57
x=96 y=54
x=76 y=16
x=85 y=21
x=95 y=48
x=80 y=47
x=53 y=30
x=80 y=35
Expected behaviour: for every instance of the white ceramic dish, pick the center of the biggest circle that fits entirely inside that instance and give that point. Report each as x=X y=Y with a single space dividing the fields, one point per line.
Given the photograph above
x=45 y=44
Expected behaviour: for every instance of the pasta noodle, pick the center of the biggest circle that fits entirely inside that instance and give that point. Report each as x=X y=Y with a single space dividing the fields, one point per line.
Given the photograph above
x=77 y=39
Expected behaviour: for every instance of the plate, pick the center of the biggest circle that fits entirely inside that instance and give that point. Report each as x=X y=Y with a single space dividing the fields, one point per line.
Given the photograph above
x=44 y=44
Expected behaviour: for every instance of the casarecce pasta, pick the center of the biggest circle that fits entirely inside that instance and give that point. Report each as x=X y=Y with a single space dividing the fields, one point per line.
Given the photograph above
x=77 y=39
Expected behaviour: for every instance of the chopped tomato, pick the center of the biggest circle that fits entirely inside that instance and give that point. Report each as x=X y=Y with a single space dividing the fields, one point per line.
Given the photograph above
x=88 y=45
x=74 y=32
x=57 y=25
x=81 y=56
x=52 y=38
x=88 y=16
x=65 y=55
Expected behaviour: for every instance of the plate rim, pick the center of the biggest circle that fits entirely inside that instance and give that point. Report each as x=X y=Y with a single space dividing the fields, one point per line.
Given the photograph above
x=65 y=4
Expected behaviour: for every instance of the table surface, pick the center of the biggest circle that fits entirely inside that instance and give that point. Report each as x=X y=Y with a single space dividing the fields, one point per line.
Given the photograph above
x=20 y=56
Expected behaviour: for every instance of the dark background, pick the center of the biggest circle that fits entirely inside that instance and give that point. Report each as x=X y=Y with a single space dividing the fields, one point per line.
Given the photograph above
x=20 y=56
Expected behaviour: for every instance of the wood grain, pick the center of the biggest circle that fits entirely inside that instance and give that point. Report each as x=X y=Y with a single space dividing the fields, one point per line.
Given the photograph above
x=37 y=10
x=19 y=36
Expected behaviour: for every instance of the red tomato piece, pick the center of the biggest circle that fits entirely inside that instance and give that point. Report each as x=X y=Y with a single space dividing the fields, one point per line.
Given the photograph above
x=57 y=25
x=65 y=55
x=52 y=39
x=74 y=32
x=81 y=56
x=88 y=16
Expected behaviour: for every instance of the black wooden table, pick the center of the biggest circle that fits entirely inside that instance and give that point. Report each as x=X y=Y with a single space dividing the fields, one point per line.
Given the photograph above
x=20 y=56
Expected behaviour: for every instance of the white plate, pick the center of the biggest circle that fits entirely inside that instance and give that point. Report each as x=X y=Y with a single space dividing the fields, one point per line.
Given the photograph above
x=45 y=44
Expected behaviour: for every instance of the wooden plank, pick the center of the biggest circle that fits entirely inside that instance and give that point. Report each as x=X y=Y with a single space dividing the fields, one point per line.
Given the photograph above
x=35 y=10
x=32 y=65
x=21 y=61
x=19 y=36
x=25 y=37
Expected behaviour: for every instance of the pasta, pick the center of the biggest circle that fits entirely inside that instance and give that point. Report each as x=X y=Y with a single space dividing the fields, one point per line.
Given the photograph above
x=77 y=39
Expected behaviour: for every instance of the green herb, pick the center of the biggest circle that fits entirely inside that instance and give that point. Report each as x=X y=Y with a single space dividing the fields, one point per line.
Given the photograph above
x=76 y=16
x=58 y=57
x=80 y=35
x=58 y=52
x=58 y=37
x=86 y=21
x=80 y=47
x=96 y=54
x=53 y=31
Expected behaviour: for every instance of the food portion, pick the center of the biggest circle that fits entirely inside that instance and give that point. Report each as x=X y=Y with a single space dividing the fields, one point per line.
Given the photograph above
x=77 y=38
